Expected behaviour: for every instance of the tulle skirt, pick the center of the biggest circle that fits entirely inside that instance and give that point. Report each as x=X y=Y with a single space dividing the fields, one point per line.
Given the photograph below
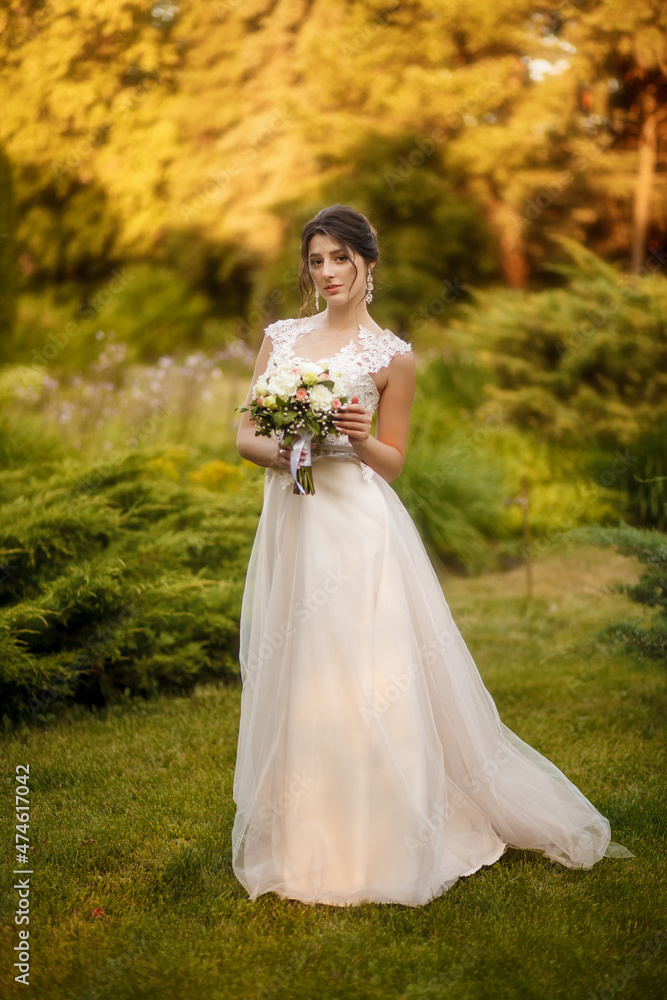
x=372 y=764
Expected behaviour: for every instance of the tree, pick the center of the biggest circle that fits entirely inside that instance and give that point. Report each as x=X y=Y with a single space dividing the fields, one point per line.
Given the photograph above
x=620 y=60
x=189 y=135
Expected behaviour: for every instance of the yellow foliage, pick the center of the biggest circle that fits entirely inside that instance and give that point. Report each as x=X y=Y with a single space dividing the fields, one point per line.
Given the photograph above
x=559 y=493
x=170 y=461
x=217 y=476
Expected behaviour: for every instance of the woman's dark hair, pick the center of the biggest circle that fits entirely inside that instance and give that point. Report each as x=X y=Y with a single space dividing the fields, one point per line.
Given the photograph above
x=349 y=228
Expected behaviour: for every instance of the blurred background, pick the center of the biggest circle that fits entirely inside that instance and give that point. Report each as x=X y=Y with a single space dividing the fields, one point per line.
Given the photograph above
x=157 y=164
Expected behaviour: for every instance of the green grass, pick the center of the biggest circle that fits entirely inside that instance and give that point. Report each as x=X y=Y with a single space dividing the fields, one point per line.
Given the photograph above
x=132 y=812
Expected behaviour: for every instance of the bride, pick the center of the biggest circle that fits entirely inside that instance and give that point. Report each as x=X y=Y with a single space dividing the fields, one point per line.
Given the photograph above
x=372 y=764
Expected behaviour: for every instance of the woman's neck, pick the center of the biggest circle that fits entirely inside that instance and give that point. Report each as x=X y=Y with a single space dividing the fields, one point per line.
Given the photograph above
x=340 y=320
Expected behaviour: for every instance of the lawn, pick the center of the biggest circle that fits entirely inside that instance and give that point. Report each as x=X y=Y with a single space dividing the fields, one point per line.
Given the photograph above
x=133 y=895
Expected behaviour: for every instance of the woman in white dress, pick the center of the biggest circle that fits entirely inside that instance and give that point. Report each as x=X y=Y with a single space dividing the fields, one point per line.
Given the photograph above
x=372 y=764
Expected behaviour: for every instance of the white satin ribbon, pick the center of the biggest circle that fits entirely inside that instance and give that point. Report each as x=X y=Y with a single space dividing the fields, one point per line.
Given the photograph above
x=301 y=446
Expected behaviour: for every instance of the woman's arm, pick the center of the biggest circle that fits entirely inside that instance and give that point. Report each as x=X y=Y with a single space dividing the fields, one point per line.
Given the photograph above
x=260 y=450
x=385 y=453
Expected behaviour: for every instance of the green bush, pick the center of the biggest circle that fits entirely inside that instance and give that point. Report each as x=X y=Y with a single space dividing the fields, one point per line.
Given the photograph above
x=465 y=467
x=116 y=577
x=583 y=367
x=650 y=547
x=455 y=498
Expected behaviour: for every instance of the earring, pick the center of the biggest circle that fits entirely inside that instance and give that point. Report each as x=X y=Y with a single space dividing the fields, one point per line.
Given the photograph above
x=317 y=299
x=369 y=285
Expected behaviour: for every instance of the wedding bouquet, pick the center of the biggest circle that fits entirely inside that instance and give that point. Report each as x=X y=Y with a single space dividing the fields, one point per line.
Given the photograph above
x=300 y=400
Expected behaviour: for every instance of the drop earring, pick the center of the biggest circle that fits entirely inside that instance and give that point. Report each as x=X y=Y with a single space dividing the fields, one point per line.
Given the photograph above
x=317 y=299
x=369 y=285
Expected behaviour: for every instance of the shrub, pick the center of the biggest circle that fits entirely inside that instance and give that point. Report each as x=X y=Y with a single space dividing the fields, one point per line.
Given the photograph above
x=114 y=577
x=583 y=366
x=650 y=547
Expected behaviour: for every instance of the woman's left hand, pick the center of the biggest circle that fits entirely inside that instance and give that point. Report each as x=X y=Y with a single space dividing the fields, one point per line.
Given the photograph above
x=354 y=420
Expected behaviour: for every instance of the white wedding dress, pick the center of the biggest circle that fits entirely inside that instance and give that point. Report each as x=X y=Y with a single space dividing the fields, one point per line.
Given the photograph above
x=372 y=764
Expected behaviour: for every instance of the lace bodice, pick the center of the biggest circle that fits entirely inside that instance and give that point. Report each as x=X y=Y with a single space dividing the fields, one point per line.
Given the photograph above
x=356 y=361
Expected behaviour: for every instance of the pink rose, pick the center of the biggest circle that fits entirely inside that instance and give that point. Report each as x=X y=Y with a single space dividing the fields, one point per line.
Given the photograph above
x=260 y=401
x=335 y=403
x=324 y=377
x=301 y=394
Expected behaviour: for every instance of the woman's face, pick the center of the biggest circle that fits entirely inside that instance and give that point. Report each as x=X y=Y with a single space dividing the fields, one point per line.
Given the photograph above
x=332 y=270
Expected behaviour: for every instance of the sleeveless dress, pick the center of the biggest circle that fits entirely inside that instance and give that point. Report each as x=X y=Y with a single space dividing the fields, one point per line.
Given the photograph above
x=372 y=764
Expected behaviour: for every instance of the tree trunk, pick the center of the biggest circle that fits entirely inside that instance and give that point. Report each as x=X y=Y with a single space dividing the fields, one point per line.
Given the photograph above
x=508 y=227
x=641 y=214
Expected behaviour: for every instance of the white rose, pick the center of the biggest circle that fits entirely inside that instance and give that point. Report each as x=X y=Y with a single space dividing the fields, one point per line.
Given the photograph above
x=320 y=398
x=260 y=388
x=283 y=383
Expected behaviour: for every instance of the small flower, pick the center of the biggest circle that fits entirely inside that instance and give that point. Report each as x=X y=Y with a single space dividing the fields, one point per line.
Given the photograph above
x=310 y=372
x=301 y=395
